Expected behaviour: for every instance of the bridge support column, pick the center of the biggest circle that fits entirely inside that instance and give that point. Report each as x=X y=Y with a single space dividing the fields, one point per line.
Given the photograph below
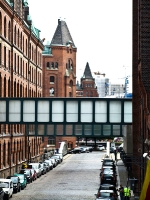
x=128 y=139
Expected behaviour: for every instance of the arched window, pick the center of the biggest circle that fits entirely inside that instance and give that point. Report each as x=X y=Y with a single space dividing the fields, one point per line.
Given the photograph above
x=0 y=23
x=52 y=78
x=9 y=32
x=21 y=41
x=5 y=27
x=71 y=83
x=15 y=35
x=26 y=48
x=18 y=38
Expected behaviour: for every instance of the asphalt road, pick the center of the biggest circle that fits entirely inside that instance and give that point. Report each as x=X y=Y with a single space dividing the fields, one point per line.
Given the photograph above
x=76 y=178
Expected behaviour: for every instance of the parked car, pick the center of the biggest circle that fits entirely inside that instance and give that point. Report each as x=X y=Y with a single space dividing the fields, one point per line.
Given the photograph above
x=50 y=164
x=84 y=150
x=58 y=159
x=1 y=193
x=47 y=166
x=16 y=183
x=23 y=180
x=120 y=148
x=28 y=174
x=108 y=187
x=43 y=168
x=108 y=178
x=37 y=167
x=76 y=150
x=7 y=186
x=100 y=147
x=107 y=194
x=112 y=149
x=34 y=174
x=53 y=161
x=59 y=154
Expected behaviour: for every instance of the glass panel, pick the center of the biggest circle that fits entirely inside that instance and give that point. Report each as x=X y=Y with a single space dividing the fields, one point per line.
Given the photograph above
x=128 y=112
x=106 y=130
x=100 y=111
x=116 y=130
x=2 y=111
x=57 y=111
x=40 y=130
x=69 y=129
x=14 y=111
x=59 y=129
x=78 y=129
x=28 y=111
x=31 y=129
x=50 y=130
x=43 y=111
x=87 y=129
x=115 y=111
x=86 y=111
x=72 y=111
x=97 y=130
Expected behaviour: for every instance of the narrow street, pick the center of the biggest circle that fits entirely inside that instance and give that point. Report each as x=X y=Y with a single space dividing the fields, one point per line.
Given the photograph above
x=76 y=178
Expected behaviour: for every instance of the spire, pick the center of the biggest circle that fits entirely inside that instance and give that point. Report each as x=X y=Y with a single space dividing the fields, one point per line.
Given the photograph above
x=87 y=72
x=62 y=35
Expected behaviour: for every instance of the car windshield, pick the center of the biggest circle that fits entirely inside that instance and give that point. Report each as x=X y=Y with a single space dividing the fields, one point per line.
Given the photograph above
x=14 y=179
x=105 y=194
x=4 y=185
x=27 y=172
x=21 y=176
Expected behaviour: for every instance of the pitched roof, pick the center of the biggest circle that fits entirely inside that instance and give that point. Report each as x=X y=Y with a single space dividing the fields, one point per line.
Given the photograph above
x=87 y=72
x=62 y=35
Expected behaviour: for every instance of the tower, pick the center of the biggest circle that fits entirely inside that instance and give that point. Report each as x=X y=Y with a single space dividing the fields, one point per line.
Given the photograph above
x=88 y=83
x=59 y=64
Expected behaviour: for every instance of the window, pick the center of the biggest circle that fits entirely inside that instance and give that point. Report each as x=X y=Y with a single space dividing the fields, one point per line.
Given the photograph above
x=5 y=27
x=9 y=60
x=15 y=35
x=56 y=65
x=52 y=79
x=4 y=57
x=48 y=65
x=52 y=65
x=18 y=38
x=51 y=91
x=9 y=31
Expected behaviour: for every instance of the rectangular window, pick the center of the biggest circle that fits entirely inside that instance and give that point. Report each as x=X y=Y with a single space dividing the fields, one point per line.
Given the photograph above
x=4 y=57
x=9 y=60
x=0 y=54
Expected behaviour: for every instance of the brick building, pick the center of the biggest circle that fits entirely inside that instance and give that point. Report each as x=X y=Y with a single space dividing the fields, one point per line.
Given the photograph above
x=141 y=88
x=87 y=87
x=59 y=72
x=20 y=76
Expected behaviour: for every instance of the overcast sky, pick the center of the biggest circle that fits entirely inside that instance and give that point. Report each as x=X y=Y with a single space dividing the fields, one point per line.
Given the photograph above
x=101 y=30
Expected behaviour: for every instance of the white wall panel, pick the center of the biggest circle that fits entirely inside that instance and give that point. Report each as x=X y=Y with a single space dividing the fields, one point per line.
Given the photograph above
x=57 y=111
x=14 y=111
x=28 y=111
x=2 y=111
x=115 y=112
x=128 y=112
x=86 y=111
x=43 y=111
x=72 y=111
x=101 y=111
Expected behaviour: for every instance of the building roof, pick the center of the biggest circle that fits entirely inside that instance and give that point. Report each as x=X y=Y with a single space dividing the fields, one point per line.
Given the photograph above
x=87 y=72
x=62 y=35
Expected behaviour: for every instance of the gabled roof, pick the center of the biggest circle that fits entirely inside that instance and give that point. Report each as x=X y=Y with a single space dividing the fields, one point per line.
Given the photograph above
x=87 y=72
x=62 y=35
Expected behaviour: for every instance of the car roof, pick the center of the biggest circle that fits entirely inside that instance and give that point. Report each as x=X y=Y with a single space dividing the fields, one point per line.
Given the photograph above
x=108 y=191
x=5 y=180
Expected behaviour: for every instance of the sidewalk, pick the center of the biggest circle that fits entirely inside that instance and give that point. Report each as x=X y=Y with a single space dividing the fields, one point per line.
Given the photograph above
x=122 y=173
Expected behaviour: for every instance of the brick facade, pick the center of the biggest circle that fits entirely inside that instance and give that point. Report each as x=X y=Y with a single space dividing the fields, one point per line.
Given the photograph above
x=20 y=76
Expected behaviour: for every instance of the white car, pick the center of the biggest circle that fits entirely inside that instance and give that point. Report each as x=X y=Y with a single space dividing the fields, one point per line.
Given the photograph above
x=101 y=147
x=7 y=186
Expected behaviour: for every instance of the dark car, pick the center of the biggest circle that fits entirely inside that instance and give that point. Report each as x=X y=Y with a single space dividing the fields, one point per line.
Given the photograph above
x=28 y=174
x=1 y=193
x=16 y=183
x=108 y=178
x=108 y=187
x=112 y=149
x=109 y=163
